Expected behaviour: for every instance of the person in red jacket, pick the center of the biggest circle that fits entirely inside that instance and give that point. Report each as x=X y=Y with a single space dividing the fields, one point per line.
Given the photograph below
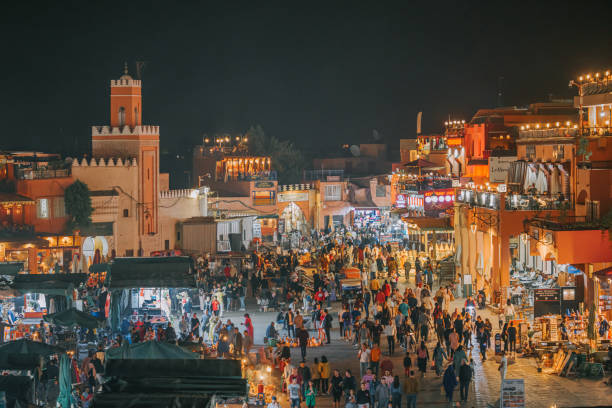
x=380 y=297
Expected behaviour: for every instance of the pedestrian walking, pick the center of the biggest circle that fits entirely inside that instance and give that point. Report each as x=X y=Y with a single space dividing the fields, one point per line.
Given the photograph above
x=364 y=359
x=422 y=357
x=310 y=395
x=449 y=382
x=410 y=388
x=396 y=393
x=465 y=376
x=439 y=355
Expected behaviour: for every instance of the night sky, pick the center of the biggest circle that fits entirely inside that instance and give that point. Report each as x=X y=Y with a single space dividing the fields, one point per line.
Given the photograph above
x=319 y=74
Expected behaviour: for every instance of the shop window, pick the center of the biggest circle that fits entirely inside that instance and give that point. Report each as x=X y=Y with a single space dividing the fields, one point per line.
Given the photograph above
x=126 y=213
x=59 y=207
x=167 y=244
x=381 y=191
x=333 y=193
x=42 y=208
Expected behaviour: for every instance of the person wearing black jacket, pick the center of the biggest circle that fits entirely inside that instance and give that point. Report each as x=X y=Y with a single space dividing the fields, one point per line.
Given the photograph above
x=348 y=384
x=465 y=376
x=327 y=325
x=363 y=395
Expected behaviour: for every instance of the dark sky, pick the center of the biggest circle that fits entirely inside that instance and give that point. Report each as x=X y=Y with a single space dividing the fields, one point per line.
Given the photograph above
x=318 y=74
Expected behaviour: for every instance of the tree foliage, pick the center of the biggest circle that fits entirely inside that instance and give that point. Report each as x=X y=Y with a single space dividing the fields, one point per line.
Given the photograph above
x=78 y=205
x=287 y=160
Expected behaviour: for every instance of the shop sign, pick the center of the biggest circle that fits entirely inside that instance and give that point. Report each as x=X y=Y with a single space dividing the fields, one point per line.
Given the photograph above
x=400 y=202
x=502 y=188
x=498 y=168
x=546 y=295
x=439 y=198
x=546 y=301
x=256 y=229
x=264 y=184
x=513 y=393
x=292 y=196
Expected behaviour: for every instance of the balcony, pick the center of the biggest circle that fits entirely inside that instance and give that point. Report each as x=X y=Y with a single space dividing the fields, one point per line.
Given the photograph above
x=31 y=174
x=567 y=223
x=537 y=202
x=548 y=133
x=480 y=199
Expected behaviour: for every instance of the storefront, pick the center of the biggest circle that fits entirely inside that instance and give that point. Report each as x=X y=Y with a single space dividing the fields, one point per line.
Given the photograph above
x=366 y=216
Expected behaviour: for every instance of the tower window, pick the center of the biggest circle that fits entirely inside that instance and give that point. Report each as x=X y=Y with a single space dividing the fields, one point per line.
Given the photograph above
x=126 y=213
x=121 y=116
x=135 y=115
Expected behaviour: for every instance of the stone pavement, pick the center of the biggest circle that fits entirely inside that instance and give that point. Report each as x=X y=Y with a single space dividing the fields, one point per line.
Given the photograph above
x=542 y=390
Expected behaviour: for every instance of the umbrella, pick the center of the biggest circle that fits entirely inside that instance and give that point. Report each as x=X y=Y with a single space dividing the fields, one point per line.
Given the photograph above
x=65 y=399
x=150 y=350
x=24 y=346
x=73 y=317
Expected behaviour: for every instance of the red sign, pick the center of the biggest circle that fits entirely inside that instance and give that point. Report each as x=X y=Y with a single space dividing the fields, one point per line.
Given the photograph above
x=440 y=199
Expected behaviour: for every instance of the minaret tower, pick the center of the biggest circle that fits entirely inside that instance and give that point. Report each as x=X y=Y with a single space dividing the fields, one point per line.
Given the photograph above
x=127 y=138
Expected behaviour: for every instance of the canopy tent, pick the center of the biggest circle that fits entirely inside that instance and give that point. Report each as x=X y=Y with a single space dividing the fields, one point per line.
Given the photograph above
x=24 y=354
x=151 y=272
x=73 y=317
x=150 y=350
x=49 y=284
x=18 y=390
x=10 y=268
x=97 y=268
x=24 y=346
x=170 y=383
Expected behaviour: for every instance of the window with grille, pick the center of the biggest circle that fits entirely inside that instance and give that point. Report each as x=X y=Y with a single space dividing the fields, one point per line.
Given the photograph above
x=381 y=191
x=59 y=207
x=333 y=193
x=530 y=152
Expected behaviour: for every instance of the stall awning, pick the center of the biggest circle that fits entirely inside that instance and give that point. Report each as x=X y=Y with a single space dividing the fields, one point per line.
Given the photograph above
x=431 y=224
x=13 y=199
x=603 y=273
x=151 y=272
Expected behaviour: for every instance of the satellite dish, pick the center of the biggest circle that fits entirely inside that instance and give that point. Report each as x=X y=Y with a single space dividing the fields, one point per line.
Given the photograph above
x=375 y=135
x=355 y=150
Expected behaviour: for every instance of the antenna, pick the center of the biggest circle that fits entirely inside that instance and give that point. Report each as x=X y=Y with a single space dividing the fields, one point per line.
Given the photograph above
x=140 y=66
x=419 y=119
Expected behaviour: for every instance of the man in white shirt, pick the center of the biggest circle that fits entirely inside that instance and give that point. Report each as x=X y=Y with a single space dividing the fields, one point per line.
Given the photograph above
x=364 y=359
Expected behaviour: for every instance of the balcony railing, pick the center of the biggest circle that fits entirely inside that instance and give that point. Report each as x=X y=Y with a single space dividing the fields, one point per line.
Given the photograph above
x=545 y=133
x=537 y=202
x=567 y=223
x=323 y=175
x=476 y=198
x=31 y=174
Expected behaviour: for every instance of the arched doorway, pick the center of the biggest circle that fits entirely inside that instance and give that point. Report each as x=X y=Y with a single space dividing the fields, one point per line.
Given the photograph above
x=294 y=218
